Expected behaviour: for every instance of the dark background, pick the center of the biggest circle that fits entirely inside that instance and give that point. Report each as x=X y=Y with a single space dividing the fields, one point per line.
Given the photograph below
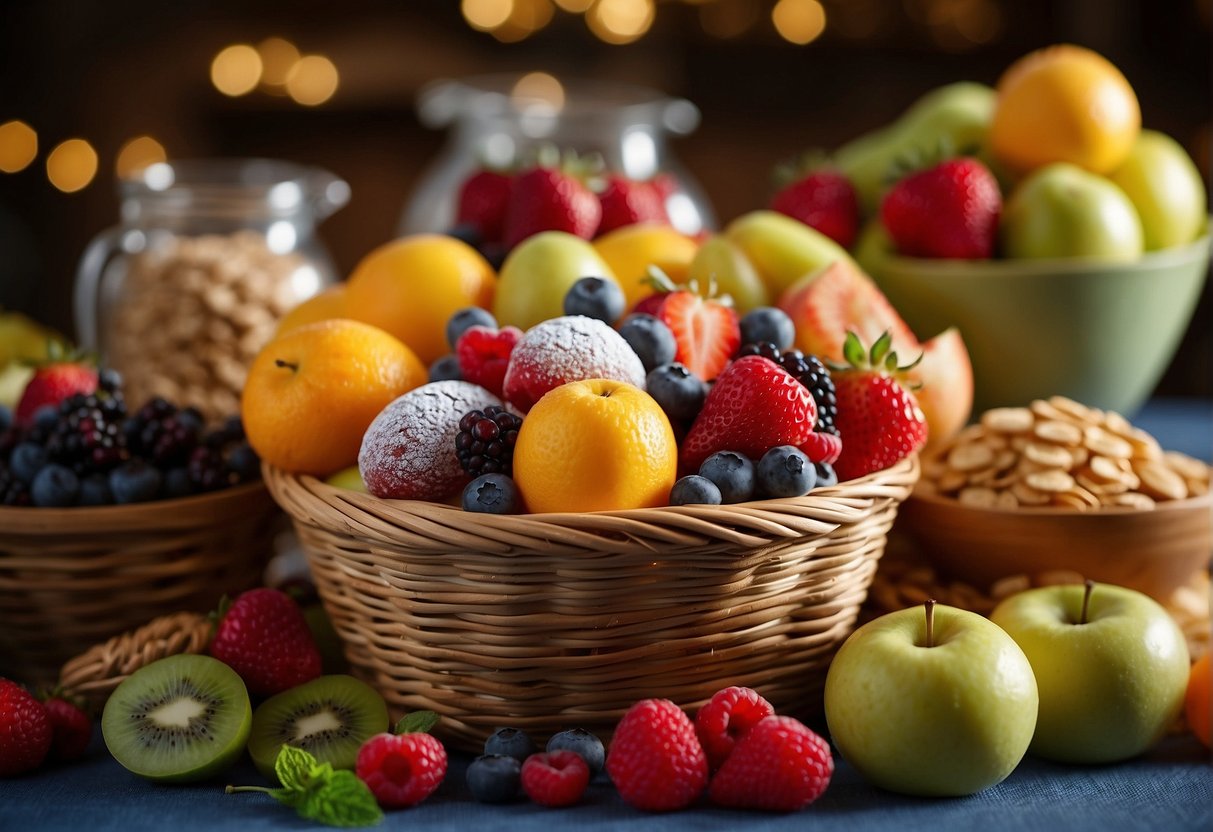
x=108 y=71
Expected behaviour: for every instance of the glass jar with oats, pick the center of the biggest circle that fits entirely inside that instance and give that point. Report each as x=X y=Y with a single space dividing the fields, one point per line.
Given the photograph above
x=209 y=254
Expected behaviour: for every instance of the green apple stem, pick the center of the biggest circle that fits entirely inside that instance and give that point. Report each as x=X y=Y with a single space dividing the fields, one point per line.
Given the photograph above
x=1088 y=585
x=930 y=606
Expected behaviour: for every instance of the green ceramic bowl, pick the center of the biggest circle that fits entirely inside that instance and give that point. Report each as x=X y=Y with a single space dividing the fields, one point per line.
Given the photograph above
x=1099 y=333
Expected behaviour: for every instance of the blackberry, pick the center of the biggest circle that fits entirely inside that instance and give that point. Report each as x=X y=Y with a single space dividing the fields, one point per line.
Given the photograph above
x=809 y=371
x=485 y=442
x=207 y=470
x=87 y=437
x=162 y=434
x=13 y=492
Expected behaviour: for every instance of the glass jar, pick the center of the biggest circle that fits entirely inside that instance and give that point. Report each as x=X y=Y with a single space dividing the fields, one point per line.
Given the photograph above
x=495 y=120
x=209 y=255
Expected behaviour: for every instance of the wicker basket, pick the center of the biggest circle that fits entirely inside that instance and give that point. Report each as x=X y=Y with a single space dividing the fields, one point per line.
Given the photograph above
x=552 y=621
x=70 y=578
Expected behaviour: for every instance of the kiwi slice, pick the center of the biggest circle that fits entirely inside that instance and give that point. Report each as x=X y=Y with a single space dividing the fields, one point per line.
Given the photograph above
x=179 y=719
x=330 y=717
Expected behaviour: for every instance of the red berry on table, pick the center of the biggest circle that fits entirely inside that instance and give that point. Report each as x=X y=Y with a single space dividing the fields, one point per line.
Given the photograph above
x=555 y=778
x=824 y=200
x=72 y=729
x=726 y=718
x=401 y=770
x=484 y=355
x=779 y=766
x=628 y=202
x=483 y=198
x=754 y=406
x=655 y=759
x=948 y=211
x=264 y=637
x=550 y=199
x=706 y=331
x=879 y=419
x=52 y=382
x=26 y=731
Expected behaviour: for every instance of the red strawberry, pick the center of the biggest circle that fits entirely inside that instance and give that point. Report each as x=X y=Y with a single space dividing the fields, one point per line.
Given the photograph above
x=627 y=202
x=754 y=406
x=484 y=355
x=26 y=732
x=822 y=447
x=401 y=770
x=550 y=199
x=72 y=729
x=879 y=419
x=728 y=717
x=482 y=203
x=948 y=211
x=54 y=381
x=706 y=331
x=779 y=766
x=825 y=200
x=264 y=637
x=555 y=778
x=656 y=761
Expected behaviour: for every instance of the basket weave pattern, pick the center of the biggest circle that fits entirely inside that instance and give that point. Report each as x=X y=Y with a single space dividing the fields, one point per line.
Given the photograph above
x=70 y=578
x=552 y=621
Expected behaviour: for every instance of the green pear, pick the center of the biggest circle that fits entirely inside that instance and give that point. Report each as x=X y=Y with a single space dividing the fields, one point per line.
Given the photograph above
x=539 y=272
x=1164 y=185
x=721 y=262
x=781 y=249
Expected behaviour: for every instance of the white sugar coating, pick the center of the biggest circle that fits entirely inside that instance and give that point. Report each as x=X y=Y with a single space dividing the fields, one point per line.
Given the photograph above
x=408 y=452
x=571 y=348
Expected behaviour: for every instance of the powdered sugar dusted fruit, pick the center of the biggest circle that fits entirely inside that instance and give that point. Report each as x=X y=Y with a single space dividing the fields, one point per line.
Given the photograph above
x=408 y=452
x=570 y=348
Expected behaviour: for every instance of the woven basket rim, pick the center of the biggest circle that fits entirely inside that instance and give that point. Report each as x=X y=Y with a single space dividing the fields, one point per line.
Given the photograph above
x=1199 y=501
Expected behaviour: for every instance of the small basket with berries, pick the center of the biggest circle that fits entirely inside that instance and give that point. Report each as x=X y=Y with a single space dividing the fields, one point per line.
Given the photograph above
x=109 y=517
x=568 y=519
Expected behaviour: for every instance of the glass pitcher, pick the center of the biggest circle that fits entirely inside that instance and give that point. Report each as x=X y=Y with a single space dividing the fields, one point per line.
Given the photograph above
x=497 y=119
x=209 y=255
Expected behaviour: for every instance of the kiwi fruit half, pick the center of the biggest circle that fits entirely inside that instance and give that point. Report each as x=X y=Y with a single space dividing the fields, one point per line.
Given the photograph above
x=329 y=717
x=179 y=719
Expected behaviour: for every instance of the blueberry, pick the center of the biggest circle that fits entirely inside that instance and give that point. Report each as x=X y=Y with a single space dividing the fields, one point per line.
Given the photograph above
x=190 y=419
x=109 y=380
x=768 y=324
x=243 y=460
x=46 y=418
x=695 y=490
x=494 y=778
x=595 y=297
x=677 y=390
x=826 y=475
x=177 y=483
x=784 y=471
x=492 y=494
x=733 y=474
x=55 y=486
x=6 y=418
x=27 y=460
x=134 y=482
x=467 y=317
x=510 y=742
x=650 y=339
x=446 y=369
x=580 y=741
x=95 y=491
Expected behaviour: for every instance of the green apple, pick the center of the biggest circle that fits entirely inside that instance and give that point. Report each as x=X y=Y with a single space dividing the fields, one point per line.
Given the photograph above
x=538 y=273
x=349 y=478
x=781 y=249
x=931 y=700
x=721 y=262
x=1164 y=185
x=1062 y=210
x=1111 y=665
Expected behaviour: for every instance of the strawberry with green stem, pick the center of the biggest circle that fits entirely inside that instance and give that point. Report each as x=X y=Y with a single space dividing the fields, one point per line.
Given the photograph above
x=820 y=196
x=705 y=326
x=64 y=373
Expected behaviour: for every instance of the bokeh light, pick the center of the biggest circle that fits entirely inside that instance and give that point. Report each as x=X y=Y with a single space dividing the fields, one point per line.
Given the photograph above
x=137 y=154
x=18 y=146
x=72 y=165
x=575 y=6
x=313 y=80
x=236 y=70
x=799 y=21
x=278 y=58
x=621 y=21
x=526 y=18
x=486 y=15
x=538 y=88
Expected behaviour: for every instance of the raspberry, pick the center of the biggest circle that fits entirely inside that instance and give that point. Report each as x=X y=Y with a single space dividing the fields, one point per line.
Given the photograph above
x=779 y=766
x=726 y=718
x=485 y=442
x=72 y=729
x=401 y=769
x=25 y=730
x=484 y=355
x=555 y=778
x=809 y=371
x=656 y=761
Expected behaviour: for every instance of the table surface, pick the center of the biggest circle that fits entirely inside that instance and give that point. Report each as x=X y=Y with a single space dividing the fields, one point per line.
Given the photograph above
x=1171 y=788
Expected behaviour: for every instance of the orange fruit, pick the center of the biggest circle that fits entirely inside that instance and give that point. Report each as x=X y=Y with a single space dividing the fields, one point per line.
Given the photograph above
x=312 y=392
x=1198 y=703
x=595 y=445
x=1064 y=104
x=325 y=306
x=412 y=286
x=630 y=250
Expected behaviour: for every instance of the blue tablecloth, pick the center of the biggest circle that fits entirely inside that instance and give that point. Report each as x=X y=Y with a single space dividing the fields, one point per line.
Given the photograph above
x=1168 y=790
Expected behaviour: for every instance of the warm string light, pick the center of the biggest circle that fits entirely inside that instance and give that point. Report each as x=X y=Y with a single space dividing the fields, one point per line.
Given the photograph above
x=277 y=68
x=799 y=21
x=72 y=165
x=620 y=21
x=18 y=146
x=137 y=154
x=236 y=70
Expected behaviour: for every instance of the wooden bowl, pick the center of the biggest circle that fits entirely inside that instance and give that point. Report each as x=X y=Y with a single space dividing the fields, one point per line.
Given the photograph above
x=1155 y=552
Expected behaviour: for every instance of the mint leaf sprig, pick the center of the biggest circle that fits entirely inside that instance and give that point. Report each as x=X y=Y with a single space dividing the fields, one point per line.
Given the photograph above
x=318 y=792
